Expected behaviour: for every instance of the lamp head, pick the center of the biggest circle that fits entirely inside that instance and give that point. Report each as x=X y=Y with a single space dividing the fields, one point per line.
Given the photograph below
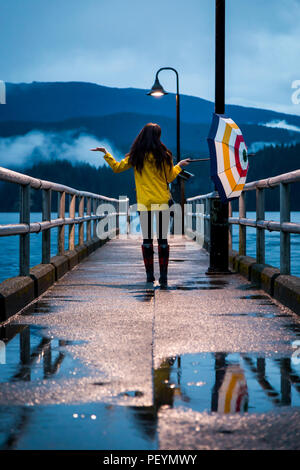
x=157 y=90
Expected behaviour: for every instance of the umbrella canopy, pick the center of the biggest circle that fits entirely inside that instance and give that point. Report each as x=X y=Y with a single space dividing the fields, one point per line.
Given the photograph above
x=228 y=157
x=233 y=393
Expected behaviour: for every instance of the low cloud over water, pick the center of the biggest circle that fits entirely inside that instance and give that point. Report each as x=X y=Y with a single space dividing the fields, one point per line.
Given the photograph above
x=25 y=150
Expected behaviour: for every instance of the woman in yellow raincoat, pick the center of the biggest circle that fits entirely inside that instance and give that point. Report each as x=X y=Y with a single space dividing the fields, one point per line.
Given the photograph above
x=153 y=170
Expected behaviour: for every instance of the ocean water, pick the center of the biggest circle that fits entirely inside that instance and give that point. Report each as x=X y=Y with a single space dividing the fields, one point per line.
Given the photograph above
x=9 y=246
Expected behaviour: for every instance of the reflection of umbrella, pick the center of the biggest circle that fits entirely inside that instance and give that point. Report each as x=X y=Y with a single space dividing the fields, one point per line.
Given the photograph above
x=228 y=156
x=233 y=393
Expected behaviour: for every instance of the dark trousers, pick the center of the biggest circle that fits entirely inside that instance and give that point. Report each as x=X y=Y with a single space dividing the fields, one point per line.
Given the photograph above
x=162 y=219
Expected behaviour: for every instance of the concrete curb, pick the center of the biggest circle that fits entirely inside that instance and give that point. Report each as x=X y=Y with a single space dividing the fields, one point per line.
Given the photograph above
x=61 y=265
x=15 y=294
x=82 y=252
x=285 y=289
x=72 y=257
x=245 y=264
x=19 y=291
x=43 y=276
x=268 y=277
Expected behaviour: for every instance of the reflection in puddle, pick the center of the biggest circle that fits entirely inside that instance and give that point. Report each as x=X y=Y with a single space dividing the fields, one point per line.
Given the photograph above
x=224 y=383
x=32 y=355
x=255 y=297
x=144 y=296
x=227 y=383
x=89 y=426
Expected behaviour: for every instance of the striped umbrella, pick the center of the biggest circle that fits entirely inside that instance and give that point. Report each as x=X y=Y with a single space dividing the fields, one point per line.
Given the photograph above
x=233 y=393
x=228 y=157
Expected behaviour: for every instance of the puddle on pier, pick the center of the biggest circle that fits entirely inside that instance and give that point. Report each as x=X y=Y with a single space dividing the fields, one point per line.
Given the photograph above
x=144 y=295
x=32 y=355
x=91 y=426
x=228 y=382
x=199 y=284
x=223 y=383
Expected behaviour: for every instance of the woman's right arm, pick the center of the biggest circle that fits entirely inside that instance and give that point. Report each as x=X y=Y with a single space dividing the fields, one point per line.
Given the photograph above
x=173 y=171
x=117 y=167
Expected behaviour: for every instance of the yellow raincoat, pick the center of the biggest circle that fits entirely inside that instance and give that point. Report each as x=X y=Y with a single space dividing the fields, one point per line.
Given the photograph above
x=152 y=192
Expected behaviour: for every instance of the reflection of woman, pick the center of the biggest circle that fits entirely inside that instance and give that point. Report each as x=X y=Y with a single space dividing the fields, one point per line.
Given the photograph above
x=153 y=170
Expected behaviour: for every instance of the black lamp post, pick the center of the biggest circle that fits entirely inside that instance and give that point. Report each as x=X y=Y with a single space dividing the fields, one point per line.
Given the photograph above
x=157 y=91
x=219 y=248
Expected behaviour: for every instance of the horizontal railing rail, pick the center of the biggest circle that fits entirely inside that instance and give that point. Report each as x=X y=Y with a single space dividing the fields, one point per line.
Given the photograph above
x=284 y=225
x=88 y=213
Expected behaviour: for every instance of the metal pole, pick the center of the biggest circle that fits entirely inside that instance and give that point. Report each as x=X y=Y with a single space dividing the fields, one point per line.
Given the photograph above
x=81 y=224
x=220 y=58
x=72 y=201
x=95 y=221
x=260 y=232
x=242 y=228
x=25 y=239
x=180 y=181
x=219 y=232
x=178 y=187
x=230 y=227
x=46 y=216
x=285 y=238
x=61 y=207
x=88 y=224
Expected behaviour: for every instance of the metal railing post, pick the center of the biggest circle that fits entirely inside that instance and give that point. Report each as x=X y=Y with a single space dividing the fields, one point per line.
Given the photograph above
x=260 y=232
x=72 y=201
x=117 y=208
x=61 y=207
x=230 y=227
x=207 y=210
x=285 y=238
x=25 y=238
x=88 y=224
x=81 y=224
x=128 y=217
x=46 y=235
x=242 y=228
x=192 y=207
x=95 y=221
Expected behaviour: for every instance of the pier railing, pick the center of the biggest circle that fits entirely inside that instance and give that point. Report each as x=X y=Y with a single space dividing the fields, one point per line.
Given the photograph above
x=199 y=213
x=87 y=214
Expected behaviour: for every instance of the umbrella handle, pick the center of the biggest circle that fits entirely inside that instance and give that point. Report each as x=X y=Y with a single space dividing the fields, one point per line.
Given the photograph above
x=192 y=160
x=199 y=160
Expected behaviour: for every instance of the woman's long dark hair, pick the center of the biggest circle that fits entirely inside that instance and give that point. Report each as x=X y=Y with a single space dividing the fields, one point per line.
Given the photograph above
x=148 y=141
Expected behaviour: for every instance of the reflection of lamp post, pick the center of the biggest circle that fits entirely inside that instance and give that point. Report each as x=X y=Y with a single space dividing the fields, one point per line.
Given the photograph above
x=157 y=90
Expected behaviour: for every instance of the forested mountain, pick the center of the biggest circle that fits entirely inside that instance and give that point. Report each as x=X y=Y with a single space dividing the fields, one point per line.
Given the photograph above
x=57 y=101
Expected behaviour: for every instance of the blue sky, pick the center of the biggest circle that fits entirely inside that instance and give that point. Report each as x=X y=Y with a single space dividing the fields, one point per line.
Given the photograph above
x=123 y=42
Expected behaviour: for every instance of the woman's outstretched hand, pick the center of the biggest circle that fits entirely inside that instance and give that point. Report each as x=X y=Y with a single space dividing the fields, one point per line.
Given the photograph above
x=185 y=162
x=99 y=149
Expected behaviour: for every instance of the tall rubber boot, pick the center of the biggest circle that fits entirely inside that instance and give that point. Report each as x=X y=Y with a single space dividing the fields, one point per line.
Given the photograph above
x=163 y=256
x=148 y=252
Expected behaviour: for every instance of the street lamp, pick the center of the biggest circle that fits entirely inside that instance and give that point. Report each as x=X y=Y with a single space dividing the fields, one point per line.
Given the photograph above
x=157 y=90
